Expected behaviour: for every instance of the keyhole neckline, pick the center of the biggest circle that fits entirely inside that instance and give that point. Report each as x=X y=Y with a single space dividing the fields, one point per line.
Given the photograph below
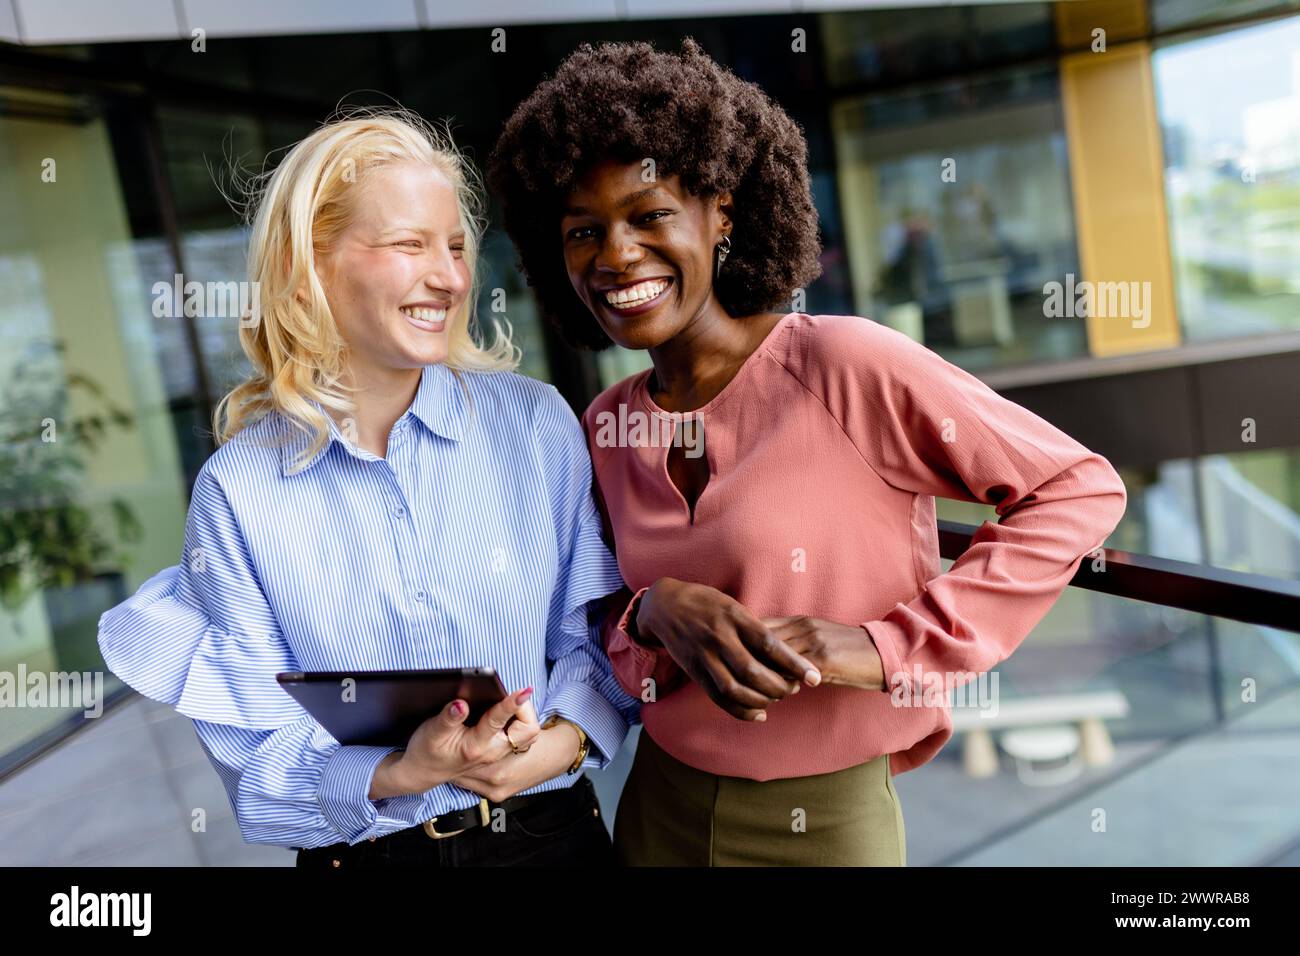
x=643 y=384
x=692 y=507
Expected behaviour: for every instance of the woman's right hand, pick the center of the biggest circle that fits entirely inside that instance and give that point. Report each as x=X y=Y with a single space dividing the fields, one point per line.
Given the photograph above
x=443 y=748
x=724 y=648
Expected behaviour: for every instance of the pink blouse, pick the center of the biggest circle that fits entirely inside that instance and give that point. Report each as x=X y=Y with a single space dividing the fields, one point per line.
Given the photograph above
x=825 y=453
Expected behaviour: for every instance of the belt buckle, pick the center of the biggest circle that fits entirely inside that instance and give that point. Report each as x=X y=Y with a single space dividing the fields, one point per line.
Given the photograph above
x=434 y=834
x=483 y=814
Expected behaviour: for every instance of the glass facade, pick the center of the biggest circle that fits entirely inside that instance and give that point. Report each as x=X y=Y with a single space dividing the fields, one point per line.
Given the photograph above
x=961 y=214
x=955 y=191
x=92 y=392
x=1230 y=118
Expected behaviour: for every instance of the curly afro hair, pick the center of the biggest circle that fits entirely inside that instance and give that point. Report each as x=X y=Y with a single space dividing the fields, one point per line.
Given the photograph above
x=627 y=101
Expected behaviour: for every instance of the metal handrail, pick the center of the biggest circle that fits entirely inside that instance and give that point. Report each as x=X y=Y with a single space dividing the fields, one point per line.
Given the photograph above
x=1202 y=588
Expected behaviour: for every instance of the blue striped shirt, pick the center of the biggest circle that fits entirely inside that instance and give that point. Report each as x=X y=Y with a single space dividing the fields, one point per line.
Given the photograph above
x=475 y=542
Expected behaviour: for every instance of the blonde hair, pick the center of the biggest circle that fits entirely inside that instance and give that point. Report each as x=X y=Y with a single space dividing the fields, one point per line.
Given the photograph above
x=296 y=213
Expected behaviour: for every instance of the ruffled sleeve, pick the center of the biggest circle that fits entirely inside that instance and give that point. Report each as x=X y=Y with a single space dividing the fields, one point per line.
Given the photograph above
x=587 y=572
x=581 y=685
x=200 y=635
x=637 y=667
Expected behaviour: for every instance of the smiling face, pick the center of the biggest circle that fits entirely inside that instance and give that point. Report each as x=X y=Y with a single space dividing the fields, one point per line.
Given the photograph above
x=640 y=255
x=397 y=273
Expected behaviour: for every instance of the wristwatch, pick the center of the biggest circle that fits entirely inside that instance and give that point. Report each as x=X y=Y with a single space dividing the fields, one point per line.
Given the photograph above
x=583 y=745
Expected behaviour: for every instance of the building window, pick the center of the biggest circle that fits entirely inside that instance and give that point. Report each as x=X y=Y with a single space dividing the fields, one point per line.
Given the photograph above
x=96 y=398
x=1230 y=115
x=956 y=204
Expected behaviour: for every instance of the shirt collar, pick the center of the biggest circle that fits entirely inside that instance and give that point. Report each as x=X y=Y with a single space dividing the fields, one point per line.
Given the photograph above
x=439 y=405
x=440 y=402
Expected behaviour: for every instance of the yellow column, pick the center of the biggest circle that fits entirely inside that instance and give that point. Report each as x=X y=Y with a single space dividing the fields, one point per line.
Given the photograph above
x=1117 y=173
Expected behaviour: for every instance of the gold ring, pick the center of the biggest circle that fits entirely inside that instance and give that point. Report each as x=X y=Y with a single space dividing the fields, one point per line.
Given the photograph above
x=513 y=749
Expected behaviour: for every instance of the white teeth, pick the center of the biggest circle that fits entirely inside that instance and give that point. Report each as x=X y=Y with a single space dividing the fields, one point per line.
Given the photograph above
x=433 y=316
x=637 y=294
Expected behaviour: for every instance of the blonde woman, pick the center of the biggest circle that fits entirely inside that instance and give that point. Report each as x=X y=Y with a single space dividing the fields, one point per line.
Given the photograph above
x=388 y=493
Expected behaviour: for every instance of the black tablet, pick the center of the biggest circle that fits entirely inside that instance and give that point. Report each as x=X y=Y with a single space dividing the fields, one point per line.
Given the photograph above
x=383 y=708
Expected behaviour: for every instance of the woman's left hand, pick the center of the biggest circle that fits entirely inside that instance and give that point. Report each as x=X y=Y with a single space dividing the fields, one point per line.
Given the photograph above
x=844 y=653
x=550 y=755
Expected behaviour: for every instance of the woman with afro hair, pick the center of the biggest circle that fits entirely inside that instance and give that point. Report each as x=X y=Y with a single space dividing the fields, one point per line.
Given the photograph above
x=768 y=484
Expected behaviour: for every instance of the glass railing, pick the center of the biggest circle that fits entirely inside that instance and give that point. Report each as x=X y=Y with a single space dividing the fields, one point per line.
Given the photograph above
x=1151 y=718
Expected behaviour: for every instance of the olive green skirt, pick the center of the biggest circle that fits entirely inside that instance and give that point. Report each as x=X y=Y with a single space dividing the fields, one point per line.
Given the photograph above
x=671 y=814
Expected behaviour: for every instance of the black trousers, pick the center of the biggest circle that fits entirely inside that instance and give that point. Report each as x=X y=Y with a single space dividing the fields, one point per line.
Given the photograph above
x=561 y=828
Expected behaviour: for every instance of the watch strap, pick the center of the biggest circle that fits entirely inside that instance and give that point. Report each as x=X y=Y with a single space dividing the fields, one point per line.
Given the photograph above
x=584 y=742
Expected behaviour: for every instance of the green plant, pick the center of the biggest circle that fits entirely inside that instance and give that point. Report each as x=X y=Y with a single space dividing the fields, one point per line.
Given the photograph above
x=47 y=539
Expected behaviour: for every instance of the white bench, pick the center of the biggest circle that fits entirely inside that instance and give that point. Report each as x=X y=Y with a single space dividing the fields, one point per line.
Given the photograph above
x=1087 y=710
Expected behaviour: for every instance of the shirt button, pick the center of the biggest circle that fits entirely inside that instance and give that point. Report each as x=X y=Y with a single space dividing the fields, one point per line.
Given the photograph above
x=420 y=595
x=399 y=512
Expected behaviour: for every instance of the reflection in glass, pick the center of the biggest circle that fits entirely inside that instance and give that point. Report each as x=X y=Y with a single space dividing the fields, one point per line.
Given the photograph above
x=506 y=298
x=205 y=155
x=92 y=492
x=1230 y=112
x=1252 y=511
x=957 y=207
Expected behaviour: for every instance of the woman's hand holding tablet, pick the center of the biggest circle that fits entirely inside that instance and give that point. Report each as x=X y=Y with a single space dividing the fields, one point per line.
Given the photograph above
x=443 y=748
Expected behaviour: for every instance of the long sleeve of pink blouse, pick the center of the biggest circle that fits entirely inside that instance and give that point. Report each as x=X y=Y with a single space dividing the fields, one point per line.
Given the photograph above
x=637 y=667
x=929 y=427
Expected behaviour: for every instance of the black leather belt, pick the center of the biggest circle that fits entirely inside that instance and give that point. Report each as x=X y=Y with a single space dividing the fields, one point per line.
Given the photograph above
x=458 y=821
x=449 y=824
